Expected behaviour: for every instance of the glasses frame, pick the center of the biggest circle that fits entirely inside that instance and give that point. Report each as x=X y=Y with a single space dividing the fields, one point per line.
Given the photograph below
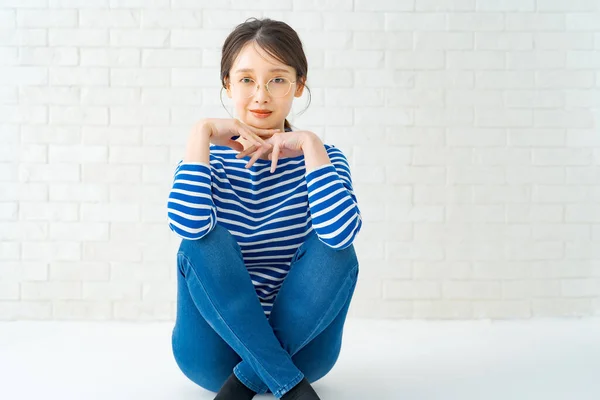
x=266 y=85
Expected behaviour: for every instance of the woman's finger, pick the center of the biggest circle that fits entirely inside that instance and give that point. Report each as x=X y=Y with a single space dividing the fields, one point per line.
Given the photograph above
x=245 y=131
x=255 y=147
x=237 y=146
x=255 y=157
x=247 y=151
x=274 y=157
x=252 y=138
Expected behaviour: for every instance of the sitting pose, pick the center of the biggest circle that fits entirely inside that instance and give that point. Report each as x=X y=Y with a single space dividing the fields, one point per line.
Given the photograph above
x=268 y=216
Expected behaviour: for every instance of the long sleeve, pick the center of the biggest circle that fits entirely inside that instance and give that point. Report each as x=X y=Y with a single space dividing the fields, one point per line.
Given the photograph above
x=334 y=210
x=191 y=210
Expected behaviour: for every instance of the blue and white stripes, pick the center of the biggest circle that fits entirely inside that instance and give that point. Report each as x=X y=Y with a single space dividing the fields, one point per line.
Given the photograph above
x=269 y=215
x=192 y=212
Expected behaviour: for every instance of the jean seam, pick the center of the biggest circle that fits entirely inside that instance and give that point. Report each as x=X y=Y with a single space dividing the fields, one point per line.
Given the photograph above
x=354 y=269
x=219 y=312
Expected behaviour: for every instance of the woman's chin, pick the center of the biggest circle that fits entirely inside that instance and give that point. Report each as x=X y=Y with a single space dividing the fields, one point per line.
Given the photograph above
x=260 y=124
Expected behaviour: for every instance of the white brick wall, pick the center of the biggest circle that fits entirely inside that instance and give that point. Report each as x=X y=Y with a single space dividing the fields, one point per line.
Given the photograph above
x=472 y=127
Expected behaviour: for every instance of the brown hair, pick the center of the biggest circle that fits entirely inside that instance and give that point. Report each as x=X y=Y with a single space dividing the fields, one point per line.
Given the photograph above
x=277 y=38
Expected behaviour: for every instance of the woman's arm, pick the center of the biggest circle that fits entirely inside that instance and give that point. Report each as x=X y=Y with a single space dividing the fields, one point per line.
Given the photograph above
x=192 y=213
x=198 y=145
x=333 y=205
x=315 y=155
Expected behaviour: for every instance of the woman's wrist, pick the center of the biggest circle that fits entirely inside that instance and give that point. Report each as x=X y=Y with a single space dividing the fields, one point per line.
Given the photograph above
x=203 y=128
x=315 y=154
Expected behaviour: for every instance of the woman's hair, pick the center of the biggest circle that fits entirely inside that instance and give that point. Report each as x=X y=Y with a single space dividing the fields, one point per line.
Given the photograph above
x=277 y=38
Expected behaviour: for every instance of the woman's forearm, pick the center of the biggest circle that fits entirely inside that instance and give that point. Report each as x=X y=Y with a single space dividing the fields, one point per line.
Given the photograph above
x=198 y=145
x=315 y=154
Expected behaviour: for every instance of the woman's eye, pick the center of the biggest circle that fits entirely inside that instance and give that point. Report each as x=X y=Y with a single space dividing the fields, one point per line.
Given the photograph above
x=246 y=80
x=279 y=80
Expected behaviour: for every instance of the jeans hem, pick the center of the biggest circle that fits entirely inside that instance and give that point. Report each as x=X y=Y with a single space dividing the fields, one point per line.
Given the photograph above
x=286 y=388
x=247 y=382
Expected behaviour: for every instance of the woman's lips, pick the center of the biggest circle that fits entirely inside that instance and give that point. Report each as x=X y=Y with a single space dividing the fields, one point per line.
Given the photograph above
x=260 y=114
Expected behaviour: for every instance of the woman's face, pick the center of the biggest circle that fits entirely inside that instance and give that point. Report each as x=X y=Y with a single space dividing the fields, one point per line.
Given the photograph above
x=254 y=63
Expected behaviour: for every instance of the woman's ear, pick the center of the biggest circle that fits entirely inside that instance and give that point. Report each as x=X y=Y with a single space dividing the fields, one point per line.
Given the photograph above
x=227 y=87
x=300 y=86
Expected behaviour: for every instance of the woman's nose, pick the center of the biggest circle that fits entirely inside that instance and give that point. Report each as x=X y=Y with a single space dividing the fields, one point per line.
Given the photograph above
x=262 y=92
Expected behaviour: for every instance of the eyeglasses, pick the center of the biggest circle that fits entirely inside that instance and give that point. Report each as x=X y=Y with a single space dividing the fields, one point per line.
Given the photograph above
x=277 y=87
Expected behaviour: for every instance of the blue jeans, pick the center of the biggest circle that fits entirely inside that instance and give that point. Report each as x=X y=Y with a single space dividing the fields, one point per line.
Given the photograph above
x=221 y=326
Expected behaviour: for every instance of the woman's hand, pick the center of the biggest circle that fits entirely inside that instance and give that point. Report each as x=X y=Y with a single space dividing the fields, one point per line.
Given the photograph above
x=223 y=129
x=285 y=144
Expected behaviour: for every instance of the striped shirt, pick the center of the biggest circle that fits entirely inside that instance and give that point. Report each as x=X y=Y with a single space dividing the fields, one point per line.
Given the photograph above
x=269 y=215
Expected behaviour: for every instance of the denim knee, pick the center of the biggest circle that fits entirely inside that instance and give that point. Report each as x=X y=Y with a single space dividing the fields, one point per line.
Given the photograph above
x=316 y=371
x=321 y=250
x=218 y=236
x=218 y=246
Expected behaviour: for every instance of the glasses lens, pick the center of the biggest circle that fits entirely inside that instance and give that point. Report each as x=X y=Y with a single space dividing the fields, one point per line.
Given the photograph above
x=278 y=87
x=247 y=87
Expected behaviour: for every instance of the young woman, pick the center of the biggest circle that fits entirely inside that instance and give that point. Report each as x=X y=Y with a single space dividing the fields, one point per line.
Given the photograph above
x=267 y=214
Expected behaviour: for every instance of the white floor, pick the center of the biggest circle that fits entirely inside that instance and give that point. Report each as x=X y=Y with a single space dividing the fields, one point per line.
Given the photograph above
x=424 y=360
